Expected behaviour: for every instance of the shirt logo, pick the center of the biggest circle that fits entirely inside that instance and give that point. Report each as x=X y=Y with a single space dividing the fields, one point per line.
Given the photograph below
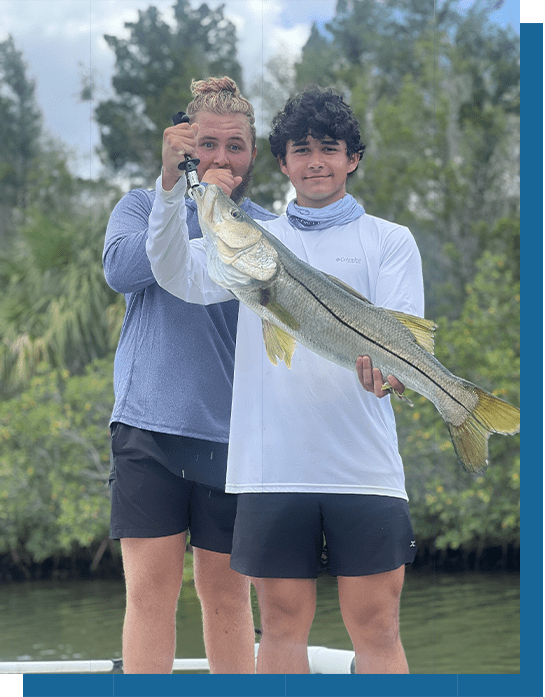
x=413 y=543
x=349 y=260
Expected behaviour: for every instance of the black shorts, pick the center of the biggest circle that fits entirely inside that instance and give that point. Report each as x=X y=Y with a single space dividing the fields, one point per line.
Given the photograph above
x=149 y=500
x=281 y=535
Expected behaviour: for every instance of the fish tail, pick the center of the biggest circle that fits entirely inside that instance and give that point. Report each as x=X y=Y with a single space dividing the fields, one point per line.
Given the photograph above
x=470 y=439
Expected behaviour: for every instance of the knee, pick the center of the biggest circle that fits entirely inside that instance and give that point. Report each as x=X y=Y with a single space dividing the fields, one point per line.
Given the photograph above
x=376 y=624
x=385 y=630
x=153 y=571
x=153 y=592
x=225 y=588
x=284 y=616
x=232 y=596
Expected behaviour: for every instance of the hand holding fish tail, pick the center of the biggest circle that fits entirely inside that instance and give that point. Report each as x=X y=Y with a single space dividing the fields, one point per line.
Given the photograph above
x=372 y=380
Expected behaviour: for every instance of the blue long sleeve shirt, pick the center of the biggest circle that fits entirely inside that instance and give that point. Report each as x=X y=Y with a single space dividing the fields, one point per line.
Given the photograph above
x=173 y=369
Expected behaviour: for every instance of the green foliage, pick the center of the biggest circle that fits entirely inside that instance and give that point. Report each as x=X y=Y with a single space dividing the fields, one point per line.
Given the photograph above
x=153 y=72
x=54 y=463
x=437 y=96
x=452 y=509
x=54 y=303
x=20 y=133
x=269 y=187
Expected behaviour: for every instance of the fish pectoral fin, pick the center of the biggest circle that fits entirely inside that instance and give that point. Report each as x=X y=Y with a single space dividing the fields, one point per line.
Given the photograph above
x=278 y=344
x=283 y=315
x=267 y=300
x=388 y=388
x=422 y=329
x=347 y=288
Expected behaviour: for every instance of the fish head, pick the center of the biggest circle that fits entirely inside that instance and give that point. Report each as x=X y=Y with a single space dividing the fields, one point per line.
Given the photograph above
x=238 y=251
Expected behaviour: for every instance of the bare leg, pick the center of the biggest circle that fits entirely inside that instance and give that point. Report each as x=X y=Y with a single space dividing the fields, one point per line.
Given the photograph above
x=153 y=578
x=287 y=610
x=227 y=614
x=370 y=610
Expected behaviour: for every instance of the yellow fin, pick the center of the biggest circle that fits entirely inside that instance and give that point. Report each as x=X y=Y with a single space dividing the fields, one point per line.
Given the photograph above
x=347 y=288
x=422 y=329
x=496 y=415
x=283 y=315
x=470 y=439
x=267 y=300
x=278 y=343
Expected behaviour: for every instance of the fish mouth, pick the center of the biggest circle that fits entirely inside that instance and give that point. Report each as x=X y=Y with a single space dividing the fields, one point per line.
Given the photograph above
x=197 y=193
x=205 y=197
x=206 y=202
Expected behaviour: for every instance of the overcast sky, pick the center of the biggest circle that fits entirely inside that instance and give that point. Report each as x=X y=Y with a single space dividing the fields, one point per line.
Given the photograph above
x=63 y=39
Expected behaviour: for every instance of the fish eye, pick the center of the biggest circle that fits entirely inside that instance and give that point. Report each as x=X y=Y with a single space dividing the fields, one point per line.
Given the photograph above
x=235 y=213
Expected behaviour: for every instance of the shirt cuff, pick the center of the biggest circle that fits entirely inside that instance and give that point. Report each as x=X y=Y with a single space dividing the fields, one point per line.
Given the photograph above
x=177 y=191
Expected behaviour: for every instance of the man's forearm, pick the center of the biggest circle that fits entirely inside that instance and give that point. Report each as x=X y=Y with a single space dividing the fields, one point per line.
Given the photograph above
x=178 y=264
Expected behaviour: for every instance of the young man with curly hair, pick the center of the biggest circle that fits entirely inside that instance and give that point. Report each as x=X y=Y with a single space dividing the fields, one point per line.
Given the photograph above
x=311 y=453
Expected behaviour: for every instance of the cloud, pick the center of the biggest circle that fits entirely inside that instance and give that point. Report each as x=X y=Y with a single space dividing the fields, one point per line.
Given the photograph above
x=60 y=38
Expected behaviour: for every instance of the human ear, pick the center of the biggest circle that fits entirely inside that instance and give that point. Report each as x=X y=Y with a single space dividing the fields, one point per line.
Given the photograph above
x=353 y=161
x=282 y=164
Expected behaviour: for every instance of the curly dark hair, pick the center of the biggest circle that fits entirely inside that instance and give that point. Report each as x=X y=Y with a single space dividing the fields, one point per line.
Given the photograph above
x=318 y=111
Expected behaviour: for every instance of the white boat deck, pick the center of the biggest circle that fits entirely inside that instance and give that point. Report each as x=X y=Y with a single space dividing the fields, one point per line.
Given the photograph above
x=321 y=660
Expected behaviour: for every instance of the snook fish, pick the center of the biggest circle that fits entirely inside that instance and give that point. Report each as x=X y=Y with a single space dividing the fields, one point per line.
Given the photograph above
x=298 y=303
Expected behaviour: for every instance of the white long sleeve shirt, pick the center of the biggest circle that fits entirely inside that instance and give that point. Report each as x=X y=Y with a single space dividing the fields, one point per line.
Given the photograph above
x=311 y=428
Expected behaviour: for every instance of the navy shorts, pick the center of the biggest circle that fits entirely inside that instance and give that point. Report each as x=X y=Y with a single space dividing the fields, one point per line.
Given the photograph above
x=149 y=500
x=281 y=535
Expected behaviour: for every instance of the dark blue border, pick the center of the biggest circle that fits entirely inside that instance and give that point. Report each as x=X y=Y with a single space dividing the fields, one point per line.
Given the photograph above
x=529 y=682
x=531 y=589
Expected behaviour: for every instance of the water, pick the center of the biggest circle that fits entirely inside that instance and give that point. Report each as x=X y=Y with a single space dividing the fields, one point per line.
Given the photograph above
x=450 y=623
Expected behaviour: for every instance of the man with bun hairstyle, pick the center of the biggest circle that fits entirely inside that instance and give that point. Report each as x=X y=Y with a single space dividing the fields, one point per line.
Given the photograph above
x=173 y=377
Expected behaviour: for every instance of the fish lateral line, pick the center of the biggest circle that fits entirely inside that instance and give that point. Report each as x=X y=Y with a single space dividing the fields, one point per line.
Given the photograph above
x=372 y=341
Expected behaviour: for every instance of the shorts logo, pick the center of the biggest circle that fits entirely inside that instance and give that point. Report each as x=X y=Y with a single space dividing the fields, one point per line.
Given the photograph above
x=413 y=543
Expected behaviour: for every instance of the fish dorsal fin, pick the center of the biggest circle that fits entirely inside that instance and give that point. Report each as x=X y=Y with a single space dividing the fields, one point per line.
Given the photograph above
x=347 y=288
x=422 y=329
x=278 y=344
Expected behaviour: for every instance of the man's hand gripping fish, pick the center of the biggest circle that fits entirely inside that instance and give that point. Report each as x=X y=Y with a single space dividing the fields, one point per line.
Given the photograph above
x=299 y=303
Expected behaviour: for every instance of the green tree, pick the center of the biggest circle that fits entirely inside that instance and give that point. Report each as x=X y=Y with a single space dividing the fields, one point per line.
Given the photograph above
x=56 y=316
x=20 y=134
x=55 y=305
x=153 y=72
x=478 y=182
x=268 y=94
x=437 y=95
x=54 y=466
x=54 y=302
x=451 y=509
